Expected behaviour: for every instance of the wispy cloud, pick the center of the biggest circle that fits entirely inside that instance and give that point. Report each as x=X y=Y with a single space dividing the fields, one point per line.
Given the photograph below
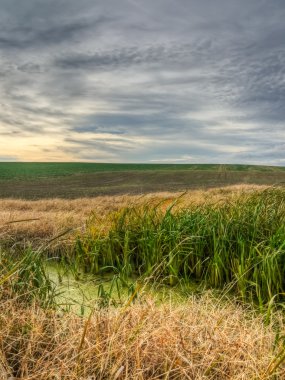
x=142 y=81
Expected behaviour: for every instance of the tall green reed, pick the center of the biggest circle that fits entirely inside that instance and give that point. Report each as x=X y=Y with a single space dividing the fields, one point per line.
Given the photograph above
x=239 y=242
x=23 y=278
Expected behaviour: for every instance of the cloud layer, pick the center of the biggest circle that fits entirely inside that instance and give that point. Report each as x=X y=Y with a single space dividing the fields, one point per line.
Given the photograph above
x=142 y=81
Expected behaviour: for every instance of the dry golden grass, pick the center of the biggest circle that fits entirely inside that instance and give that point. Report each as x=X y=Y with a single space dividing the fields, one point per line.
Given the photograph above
x=44 y=219
x=198 y=339
x=201 y=338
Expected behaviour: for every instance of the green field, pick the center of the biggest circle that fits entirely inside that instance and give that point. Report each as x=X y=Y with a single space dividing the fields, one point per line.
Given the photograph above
x=73 y=180
x=35 y=170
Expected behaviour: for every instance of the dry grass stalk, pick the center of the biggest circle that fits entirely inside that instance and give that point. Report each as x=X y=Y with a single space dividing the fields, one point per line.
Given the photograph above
x=199 y=339
x=44 y=219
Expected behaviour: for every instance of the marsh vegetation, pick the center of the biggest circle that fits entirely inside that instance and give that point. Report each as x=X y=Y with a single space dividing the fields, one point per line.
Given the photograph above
x=181 y=286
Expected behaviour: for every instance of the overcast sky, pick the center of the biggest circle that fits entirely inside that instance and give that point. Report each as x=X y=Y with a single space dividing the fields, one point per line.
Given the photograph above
x=143 y=81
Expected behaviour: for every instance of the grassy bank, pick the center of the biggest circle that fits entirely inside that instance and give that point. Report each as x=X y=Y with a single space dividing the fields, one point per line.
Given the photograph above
x=231 y=241
x=222 y=238
x=37 y=221
x=201 y=337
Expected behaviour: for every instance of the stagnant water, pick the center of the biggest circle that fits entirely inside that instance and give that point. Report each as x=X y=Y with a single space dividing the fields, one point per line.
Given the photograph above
x=83 y=292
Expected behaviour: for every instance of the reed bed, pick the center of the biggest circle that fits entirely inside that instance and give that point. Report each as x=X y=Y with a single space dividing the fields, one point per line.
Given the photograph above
x=240 y=242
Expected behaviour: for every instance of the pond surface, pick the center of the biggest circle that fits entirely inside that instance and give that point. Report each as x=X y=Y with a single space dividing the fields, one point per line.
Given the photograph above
x=84 y=292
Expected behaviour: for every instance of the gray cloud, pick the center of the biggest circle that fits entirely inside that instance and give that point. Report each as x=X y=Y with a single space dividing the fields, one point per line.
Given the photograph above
x=28 y=37
x=172 y=55
x=150 y=81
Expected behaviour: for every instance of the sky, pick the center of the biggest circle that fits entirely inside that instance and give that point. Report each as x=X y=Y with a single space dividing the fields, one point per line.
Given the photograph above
x=158 y=81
